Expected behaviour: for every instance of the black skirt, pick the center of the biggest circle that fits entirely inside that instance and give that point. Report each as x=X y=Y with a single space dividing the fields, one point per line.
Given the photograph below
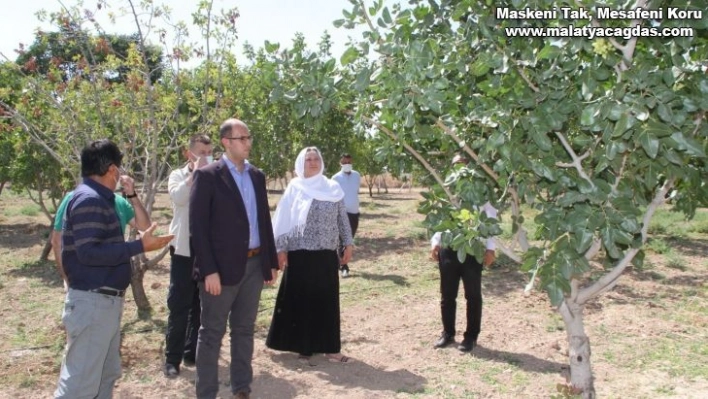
x=306 y=316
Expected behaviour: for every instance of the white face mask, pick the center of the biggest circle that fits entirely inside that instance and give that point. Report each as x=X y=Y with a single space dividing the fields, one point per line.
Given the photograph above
x=347 y=168
x=209 y=159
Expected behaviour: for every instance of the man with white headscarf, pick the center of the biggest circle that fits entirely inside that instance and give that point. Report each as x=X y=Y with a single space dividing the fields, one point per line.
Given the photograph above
x=309 y=224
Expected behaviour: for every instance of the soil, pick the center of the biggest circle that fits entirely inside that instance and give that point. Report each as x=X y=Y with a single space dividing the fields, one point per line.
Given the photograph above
x=390 y=319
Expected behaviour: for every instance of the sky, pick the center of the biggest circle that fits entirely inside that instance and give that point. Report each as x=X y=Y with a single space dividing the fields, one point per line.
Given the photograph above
x=272 y=20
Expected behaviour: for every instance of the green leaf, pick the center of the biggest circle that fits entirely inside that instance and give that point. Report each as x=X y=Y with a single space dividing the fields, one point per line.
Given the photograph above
x=338 y=23
x=386 y=16
x=549 y=51
x=584 y=240
x=688 y=144
x=587 y=118
x=623 y=124
x=349 y=56
x=541 y=140
x=649 y=143
x=665 y=113
x=271 y=48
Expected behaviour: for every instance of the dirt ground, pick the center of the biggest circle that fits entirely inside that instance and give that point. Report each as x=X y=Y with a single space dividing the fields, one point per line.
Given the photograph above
x=648 y=334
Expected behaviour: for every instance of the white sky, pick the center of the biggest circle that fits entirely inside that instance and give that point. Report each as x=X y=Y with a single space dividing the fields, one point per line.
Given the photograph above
x=273 y=20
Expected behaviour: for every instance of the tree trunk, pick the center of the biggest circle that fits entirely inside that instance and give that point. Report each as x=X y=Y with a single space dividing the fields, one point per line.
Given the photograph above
x=371 y=186
x=136 y=284
x=2 y=185
x=581 y=378
x=47 y=247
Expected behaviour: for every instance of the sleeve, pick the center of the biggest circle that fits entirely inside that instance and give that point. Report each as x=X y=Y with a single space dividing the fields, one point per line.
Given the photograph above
x=491 y=212
x=200 y=197
x=125 y=211
x=93 y=236
x=435 y=240
x=178 y=188
x=345 y=230
x=61 y=210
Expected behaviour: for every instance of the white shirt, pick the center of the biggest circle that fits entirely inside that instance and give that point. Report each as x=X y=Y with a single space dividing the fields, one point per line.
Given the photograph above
x=486 y=208
x=179 y=194
x=350 y=183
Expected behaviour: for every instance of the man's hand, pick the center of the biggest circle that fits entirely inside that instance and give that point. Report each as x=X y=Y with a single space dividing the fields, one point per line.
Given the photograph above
x=212 y=284
x=489 y=257
x=435 y=253
x=347 y=256
x=282 y=260
x=273 y=277
x=128 y=184
x=151 y=243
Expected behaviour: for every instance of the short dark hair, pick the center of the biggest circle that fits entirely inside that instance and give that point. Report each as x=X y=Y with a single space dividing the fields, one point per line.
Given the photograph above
x=199 y=138
x=98 y=156
x=346 y=155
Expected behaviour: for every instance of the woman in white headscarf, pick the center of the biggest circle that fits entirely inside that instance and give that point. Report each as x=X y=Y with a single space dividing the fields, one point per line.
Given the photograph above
x=309 y=224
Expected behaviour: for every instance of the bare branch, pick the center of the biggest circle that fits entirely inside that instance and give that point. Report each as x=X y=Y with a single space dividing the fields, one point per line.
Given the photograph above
x=593 y=250
x=618 y=177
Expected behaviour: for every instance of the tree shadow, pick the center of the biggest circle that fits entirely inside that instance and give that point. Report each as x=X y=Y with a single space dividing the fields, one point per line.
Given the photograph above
x=23 y=235
x=355 y=373
x=378 y=216
x=688 y=246
x=396 y=279
x=374 y=247
x=523 y=361
x=39 y=270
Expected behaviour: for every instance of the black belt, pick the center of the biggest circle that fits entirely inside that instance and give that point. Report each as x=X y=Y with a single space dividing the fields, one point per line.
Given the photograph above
x=253 y=252
x=108 y=291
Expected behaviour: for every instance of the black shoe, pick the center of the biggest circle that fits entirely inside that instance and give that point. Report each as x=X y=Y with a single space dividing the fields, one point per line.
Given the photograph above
x=189 y=361
x=170 y=370
x=467 y=345
x=445 y=340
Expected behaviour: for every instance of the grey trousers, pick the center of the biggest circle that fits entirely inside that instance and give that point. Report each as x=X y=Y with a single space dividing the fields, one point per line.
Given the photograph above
x=91 y=363
x=237 y=304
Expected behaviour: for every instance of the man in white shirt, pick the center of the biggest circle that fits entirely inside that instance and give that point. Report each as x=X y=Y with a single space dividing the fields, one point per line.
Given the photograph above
x=470 y=272
x=183 y=297
x=350 y=180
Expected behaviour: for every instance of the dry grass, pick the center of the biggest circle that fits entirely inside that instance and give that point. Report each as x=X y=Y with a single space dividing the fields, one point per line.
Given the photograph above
x=648 y=334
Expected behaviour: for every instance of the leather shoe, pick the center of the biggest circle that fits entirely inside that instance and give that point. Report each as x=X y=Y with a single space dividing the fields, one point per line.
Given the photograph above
x=170 y=370
x=188 y=361
x=467 y=345
x=242 y=395
x=445 y=340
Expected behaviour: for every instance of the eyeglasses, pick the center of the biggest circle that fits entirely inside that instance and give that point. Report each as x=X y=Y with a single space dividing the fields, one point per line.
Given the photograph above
x=242 y=139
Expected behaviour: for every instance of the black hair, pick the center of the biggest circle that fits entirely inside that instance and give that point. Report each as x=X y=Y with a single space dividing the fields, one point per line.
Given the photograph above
x=98 y=156
x=346 y=155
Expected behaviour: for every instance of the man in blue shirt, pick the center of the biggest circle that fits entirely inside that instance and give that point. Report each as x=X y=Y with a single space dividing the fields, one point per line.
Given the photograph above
x=350 y=180
x=96 y=260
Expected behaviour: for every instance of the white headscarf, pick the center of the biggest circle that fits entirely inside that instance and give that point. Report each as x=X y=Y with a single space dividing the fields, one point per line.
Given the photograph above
x=291 y=213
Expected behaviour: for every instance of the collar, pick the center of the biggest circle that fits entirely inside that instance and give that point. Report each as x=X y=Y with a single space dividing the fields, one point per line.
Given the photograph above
x=102 y=190
x=232 y=166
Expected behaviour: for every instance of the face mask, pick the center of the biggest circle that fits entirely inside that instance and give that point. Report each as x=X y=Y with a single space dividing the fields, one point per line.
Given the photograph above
x=347 y=168
x=209 y=159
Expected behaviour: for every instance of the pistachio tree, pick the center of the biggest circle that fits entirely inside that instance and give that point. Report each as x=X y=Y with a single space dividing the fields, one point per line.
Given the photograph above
x=60 y=112
x=595 y=135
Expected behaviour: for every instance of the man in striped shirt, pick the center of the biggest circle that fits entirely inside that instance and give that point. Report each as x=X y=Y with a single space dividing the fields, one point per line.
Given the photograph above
x=96 y=260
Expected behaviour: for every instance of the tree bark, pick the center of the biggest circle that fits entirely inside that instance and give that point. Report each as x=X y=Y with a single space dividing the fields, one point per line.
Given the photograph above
x=581 y=378
x=47 y=247
x=136 y=283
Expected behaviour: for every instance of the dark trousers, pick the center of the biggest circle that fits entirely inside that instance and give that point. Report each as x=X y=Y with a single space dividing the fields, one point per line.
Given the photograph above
x=237 y=305
x=354 y=224
x=451 y=271
x=183 y=304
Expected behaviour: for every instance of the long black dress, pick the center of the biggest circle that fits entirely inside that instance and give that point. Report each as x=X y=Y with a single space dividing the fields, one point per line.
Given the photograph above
x=306 y=317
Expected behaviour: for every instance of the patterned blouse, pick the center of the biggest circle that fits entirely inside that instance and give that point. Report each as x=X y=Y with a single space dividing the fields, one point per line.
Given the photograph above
x=327 y=226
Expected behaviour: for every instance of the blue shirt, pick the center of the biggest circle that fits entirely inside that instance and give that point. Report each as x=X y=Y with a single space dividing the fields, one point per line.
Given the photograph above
x=245 y=187
x=350 y=183
x=94 y=251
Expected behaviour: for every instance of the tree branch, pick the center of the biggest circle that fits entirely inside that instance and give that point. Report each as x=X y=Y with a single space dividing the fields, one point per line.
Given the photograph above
x=410 y=150
x=576 y=159
x=606 y=281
